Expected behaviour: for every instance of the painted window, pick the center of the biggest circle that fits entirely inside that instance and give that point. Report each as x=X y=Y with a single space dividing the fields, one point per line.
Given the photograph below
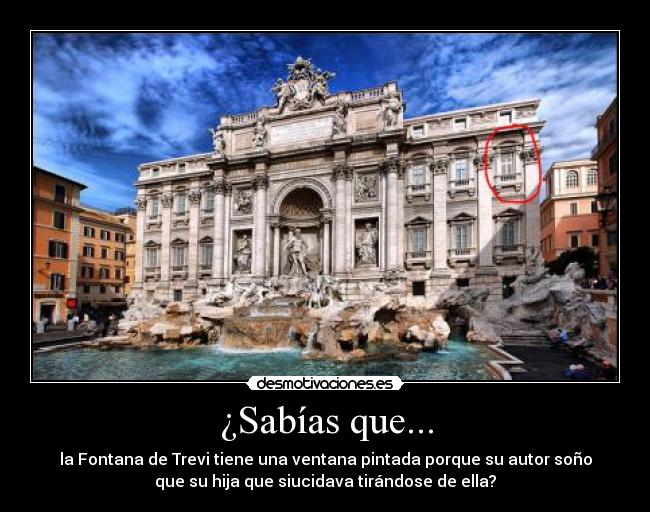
x=572 y=179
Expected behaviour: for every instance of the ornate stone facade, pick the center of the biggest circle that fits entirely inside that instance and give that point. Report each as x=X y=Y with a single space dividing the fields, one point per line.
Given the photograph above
x=340 y=183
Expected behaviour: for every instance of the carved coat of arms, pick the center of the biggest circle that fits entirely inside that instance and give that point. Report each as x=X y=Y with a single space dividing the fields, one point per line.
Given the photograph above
x=303 y=86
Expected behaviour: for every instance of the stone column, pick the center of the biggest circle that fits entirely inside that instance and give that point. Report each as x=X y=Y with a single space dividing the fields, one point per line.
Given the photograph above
x=218 y=245
x=392 y=167
x=485 y=222
x=227 y=258
x=194 y=196
x=531 y=181
x=260 y=183
x=326 y=219
x=166 y=199
x=340 y=235
x=349 y=222
x=276 y=248
x=141 y=203
x=439 y=168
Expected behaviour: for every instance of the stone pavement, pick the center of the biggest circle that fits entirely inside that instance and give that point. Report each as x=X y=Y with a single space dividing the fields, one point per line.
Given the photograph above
x=57 y=336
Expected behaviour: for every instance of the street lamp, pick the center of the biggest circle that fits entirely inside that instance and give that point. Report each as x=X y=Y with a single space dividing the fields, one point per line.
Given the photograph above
x=605 y=200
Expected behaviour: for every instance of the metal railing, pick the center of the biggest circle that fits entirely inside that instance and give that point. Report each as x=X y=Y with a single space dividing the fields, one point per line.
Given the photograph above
x=418 y=255
x=461 y=251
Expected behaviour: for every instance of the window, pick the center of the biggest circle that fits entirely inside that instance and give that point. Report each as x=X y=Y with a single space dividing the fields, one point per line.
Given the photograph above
x=86 y=288
x=154 y=207
x=181 y=167
x=462 y=236
x=105 y=253
x=505 y=117
x=58 y=249
x=507 y=163
x=104 y=234
x=612 y=164
x=418 y=131
x=151 y=254
x=178 y=256
x=117 y=289
x=462 y=282
x=461 y=169
x=89 y=251
x=89 y=232
x=87 y=272
x=592 y=177
x=118 y=273
x=155 y=171
x=127 y=279
x=612 y=127
x=418 y=176
x=103 y=273
x=102 y=288
x=208 y=201
x=59 y=220
x=612 y=238
x=572 y=179
x=509 y=234
x=205 y=254
x=418 y=288
x=419 y=240
x=119 y=255
x=594 y=240
x=180 y=203
x=59 y=193
x=574 y=240
x=57 y=282
x=594 y=207
x=460 y=124
x=178 y=295
x=119 y=237
x=574 y=208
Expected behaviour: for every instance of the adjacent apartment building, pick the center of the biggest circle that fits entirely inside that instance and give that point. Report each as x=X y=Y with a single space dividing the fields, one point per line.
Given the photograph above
x=569 y=212
x=606 y=154
x=344 y=184
x=55 y=245
x=128 y=217
x=102 y=261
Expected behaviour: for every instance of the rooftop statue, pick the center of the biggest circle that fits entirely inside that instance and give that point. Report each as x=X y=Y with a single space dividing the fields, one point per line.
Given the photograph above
x=303 y=85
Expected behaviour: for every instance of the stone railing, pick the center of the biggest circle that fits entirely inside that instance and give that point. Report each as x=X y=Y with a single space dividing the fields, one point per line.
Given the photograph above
x=421 y=189
x=503 y=251
x=152 y=272
x=462 y=185
x=461 y=254
x=508 y=180
x=248 y=117
x=418 y=258
x=179 y=271
x=366 y=94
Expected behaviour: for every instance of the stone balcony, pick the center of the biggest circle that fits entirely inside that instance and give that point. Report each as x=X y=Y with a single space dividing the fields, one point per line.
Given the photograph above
x=418 y=259
x=154 y=223
x=205 y=270
x=461 y=255
x=152 y=273
x=463 y=185
x=419 y=190
x=502 y=252
x=178 y=271
x=514 y=180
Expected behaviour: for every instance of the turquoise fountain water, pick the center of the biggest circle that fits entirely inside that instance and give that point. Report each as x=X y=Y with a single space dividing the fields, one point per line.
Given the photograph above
x=461 y=361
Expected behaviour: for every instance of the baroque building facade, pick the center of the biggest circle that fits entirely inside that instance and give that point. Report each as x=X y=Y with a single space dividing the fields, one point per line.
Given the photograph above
x=343 y=184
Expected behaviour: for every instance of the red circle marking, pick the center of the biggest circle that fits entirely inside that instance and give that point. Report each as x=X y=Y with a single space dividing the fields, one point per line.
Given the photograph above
x=539 y=164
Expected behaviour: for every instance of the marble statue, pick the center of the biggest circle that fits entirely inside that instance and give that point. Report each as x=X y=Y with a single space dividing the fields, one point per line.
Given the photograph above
x=303 y=85
x=243 y=255
x=218 y=142
x=392 y=107
x=259 y=133
x=366 y=244
x=339 y=122
x=284 y=92
x=296 y=249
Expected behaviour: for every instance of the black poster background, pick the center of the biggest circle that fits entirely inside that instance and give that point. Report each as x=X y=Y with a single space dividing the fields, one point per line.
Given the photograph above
x=468 y=419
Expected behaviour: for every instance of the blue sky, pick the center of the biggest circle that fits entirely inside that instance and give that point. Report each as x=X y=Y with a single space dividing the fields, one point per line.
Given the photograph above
x=104 y=103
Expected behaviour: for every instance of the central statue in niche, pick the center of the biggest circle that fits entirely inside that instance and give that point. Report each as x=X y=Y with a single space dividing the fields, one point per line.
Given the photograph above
x=366 y=246
x=296 y=249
